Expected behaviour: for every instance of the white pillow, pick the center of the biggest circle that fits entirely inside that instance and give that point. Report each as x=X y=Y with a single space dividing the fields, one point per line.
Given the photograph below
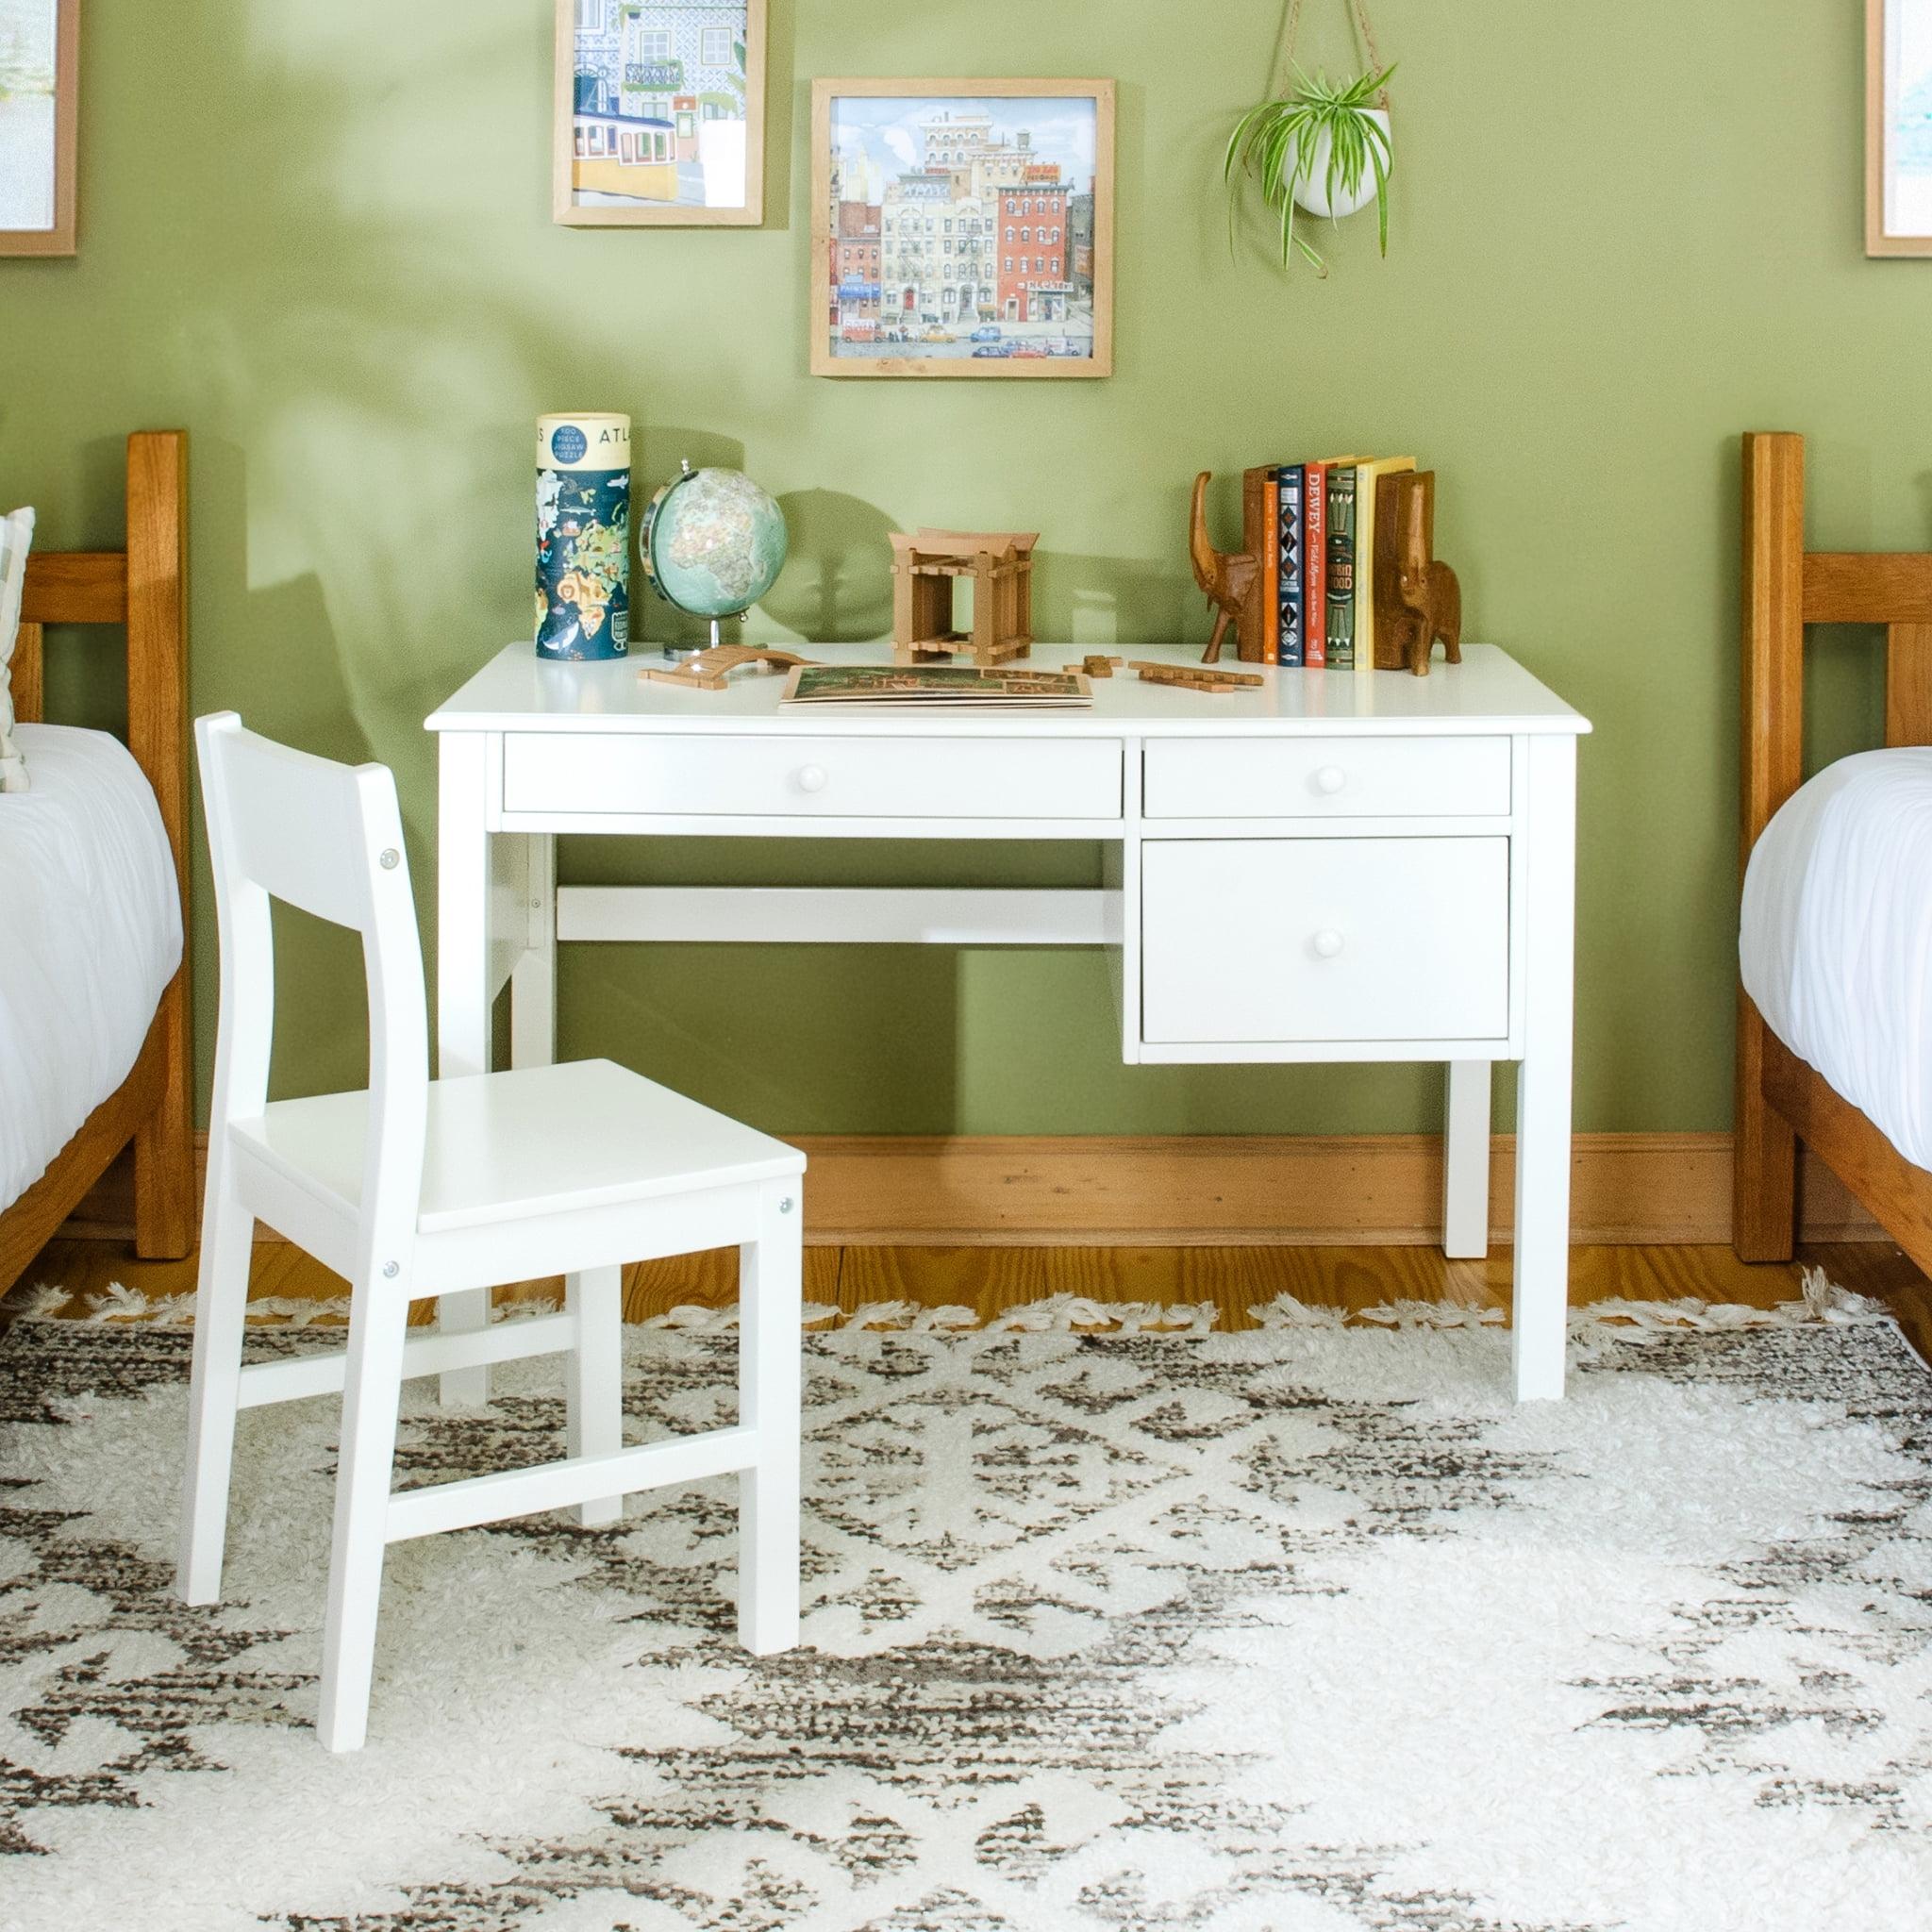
x=16 y=535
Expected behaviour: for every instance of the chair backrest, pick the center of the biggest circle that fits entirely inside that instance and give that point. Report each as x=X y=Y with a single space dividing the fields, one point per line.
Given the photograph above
x=328 y=839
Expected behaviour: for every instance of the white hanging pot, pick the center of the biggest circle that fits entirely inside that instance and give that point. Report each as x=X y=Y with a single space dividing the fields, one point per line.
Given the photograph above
x=1311 y=190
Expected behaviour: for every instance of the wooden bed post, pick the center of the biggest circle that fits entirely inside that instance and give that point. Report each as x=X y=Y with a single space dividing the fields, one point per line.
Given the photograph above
x=1764 y=1198
x=157 y=737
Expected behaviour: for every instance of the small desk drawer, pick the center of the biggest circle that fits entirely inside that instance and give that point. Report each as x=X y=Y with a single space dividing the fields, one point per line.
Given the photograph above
x=811 y=778
x=1328 y=778
x=1285 y=939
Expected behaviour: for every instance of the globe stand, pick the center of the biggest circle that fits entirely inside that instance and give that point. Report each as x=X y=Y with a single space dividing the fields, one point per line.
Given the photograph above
x=683 y=654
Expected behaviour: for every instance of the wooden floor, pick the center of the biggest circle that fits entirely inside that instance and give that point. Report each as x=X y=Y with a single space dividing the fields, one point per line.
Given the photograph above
x=989 y=1280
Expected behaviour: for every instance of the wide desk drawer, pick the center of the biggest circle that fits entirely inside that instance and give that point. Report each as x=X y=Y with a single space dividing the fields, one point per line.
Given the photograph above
x=811 y=778
x=1287 y=940
x=1327 y=778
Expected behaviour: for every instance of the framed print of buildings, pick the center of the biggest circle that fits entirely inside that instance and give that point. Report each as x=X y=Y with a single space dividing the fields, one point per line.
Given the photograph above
x=40 y=88
x=660 y=113
x=1898 y=128
x=962 y=228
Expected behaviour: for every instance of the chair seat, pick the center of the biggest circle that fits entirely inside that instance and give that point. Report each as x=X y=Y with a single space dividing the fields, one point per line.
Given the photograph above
x=503 y=1147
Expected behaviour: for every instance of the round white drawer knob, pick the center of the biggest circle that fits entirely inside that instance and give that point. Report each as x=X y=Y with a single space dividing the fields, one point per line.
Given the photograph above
x=1330 y=779
x=812 y=778
x=1327 y=942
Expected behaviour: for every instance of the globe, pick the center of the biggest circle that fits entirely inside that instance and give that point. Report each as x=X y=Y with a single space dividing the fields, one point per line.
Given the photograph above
x=713 y=544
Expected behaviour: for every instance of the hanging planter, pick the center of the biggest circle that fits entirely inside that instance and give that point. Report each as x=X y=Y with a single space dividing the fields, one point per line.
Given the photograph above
x=1323 y=148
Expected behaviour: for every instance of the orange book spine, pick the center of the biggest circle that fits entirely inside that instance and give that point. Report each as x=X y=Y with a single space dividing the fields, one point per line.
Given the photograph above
x=1257 y=541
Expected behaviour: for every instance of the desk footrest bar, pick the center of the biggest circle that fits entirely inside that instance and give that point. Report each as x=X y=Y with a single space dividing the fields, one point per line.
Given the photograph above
x=514 y=1492
x=423 y=1354
x=859 y=915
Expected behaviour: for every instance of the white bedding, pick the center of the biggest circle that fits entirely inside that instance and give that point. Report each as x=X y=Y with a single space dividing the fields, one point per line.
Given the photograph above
x=89 y=936
x=1836 y=939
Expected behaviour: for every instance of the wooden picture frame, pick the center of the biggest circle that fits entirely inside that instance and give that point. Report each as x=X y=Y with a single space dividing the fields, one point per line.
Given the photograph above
x=911 y=321
x=684 y=140
x=1898 y=177
x=58 y=235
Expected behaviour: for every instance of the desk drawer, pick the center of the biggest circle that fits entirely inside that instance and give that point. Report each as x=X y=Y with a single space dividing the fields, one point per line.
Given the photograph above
x=1260 y=939
x=812 y=778
x=1328 y=778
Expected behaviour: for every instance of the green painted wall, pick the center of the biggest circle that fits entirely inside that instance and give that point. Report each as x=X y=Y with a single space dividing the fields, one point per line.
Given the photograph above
x=319 y=236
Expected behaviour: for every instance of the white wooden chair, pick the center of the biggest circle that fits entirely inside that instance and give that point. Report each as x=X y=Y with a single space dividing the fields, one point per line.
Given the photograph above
x=418 y=1188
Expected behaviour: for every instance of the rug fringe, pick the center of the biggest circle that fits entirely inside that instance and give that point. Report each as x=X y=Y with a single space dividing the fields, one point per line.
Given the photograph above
x=1819 y=1301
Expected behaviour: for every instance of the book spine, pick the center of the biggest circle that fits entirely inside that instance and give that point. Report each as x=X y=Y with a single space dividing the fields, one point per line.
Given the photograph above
x=1315 y=564
x=1269 y=554
x=1257 y=542
x=1293 y=568
x=1365 y=567
x=1341 y=640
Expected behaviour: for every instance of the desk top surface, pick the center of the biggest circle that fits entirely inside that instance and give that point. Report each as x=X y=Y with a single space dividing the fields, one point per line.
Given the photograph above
x=1488 y=692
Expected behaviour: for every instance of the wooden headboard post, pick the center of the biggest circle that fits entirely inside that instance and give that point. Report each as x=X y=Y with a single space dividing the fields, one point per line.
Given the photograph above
x=157 y=737
x=1765 y=1150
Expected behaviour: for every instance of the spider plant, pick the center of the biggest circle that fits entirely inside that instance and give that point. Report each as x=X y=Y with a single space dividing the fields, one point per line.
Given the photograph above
x=1282 y=141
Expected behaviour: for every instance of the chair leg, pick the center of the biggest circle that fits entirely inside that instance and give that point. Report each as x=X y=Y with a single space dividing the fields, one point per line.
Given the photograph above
x=379 y=1322
x=770 y=1368
x=221 y=1308
x=593 y=1394
x=464 y=1314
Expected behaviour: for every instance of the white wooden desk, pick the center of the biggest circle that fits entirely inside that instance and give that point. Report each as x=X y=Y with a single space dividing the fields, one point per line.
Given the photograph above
x=1327 y=868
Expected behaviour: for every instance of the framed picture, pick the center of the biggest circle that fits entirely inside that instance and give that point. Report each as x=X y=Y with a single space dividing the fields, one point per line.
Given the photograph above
x=660 y=113
x=39 y=95
x=1898 y=128
x=962 y=228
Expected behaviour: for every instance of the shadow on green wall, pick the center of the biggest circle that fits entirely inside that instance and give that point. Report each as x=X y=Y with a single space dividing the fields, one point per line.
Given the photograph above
x=837 y=584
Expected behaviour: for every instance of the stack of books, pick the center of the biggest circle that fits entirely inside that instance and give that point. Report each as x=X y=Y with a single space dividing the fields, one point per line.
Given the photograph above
x=1312 y=525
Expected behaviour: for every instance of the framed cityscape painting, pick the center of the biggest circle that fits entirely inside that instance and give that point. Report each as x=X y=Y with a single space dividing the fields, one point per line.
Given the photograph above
x=660 y=113
x=39 y=90
x=1898 y=128
x=962 y=228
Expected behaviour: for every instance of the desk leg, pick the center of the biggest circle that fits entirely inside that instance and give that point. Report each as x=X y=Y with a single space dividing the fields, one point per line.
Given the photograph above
x=1466 y=1162
x=462 y=983
x=533 y=980
x=1548 y=857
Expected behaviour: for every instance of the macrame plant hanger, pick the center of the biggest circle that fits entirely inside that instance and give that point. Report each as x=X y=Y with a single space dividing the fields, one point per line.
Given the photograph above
x=1284 y=51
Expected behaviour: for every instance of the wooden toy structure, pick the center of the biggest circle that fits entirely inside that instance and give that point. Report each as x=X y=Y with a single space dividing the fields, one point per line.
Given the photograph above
x=925 y=568
x=1194 y=676
x=1418 y=600
x=708 y=669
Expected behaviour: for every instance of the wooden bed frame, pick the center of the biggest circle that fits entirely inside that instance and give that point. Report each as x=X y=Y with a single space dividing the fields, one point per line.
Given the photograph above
x=143 y=588
x=1780 y=1099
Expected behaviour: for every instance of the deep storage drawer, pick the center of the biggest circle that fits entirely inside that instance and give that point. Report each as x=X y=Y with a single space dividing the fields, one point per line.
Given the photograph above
x=1285 y=939
x=812 y=778
x=1327 y=778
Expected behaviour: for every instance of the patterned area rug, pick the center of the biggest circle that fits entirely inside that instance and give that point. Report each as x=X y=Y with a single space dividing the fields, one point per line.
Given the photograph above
x=1293 y=1631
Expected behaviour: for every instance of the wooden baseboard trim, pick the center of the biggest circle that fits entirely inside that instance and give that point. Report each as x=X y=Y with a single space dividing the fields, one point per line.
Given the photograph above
x=1224 y=1191
x=1264 y=1191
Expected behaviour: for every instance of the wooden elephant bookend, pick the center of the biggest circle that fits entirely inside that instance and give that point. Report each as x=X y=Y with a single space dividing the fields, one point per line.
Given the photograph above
x=1418 y=600
x=1232 y=581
